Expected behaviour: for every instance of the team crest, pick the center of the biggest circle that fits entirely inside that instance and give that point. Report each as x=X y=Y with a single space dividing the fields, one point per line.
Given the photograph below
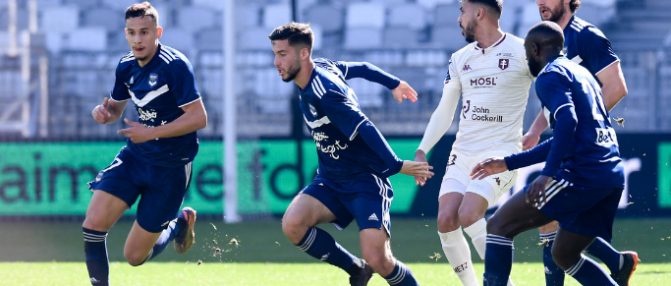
x=504 y=64
x=152 y=79
x=313 y=110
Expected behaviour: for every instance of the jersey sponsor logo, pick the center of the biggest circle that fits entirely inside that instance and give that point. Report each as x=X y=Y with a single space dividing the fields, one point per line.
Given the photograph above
x=504 y=64
x=320 y=137
x=147 y=115
x=152 y=79
x=467 y=68
x=484 y=82
x=480 y=113
x=606 y=137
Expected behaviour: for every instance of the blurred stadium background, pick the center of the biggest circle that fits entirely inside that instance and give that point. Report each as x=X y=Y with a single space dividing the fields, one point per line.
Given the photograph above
x=57 y=62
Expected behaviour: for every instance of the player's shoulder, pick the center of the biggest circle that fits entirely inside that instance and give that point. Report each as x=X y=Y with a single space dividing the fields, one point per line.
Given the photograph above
x=514 y=42
x=126 y=61
x=585 y=30
x=463 y=52
x=173 y=58
x=326 y=83
x=559 y=67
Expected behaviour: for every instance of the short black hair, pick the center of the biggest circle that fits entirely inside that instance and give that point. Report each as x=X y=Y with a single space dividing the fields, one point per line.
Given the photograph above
x=547 y=33
x=574 y=5
x=497 y=5
x=296 y=33
x=141 y=10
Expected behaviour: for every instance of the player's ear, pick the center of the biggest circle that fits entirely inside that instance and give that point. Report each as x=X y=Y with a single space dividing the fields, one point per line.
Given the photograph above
x=305 y=53
x=535 y=49
x=159 y=31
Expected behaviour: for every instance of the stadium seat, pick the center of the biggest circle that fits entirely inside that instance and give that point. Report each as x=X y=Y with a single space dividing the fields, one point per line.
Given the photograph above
x=329 y=17
x=426 y=58
x=41 y=4
x=429 y=5
x=21 y=19
x=102 y=17
x=447 y=15
x=179 y=39
x=363 y=38
x=276 y=15
x=595 y=14
x=254 y=39
x=408 y=15
x=92 y=39
x=4 y=42
x=247 y=16
x=55 y=42
x=60 y=19
x=192 y=19
x=121 y=5
x=529 y=17
x=449 y=38
x=210 y=39
x=368 y=93
x=365 y=15
x=213 y=4
x=399 y=37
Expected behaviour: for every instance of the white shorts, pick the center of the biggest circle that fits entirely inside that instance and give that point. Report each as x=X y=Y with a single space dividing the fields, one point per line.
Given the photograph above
x=459 y=168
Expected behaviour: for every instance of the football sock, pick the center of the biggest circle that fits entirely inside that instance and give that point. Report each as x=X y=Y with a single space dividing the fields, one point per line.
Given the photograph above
x=554 y=276
x=168 y=235
x=96 y=257
x=478 y=234
x=321 y=245
x=498 y=260
x=606 y=253
x=401 y=276
x=458 y=254
x=588 y=273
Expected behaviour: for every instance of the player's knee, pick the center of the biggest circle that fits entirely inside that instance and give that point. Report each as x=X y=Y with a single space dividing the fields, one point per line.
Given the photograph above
x=94 y=224
x=494 y=226
x=447 y=221
x=293 y=229
x=133 y=258
x=564 y=259
x=468 y=217
x=380 y=261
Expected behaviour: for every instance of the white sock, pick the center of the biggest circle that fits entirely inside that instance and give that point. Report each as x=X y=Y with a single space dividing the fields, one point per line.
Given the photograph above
x=478 y=234
x=458 y=254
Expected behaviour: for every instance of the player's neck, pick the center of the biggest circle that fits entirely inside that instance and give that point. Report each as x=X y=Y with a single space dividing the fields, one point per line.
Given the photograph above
x=489 y=36
x=148 y=59
x=563 y=22
x=303 y=77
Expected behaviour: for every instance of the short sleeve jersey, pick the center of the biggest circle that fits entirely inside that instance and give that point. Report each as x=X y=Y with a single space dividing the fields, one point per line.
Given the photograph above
x=594 y=158
x=494 y=84
x=332 y=113
x=587 y=46
x=159 y=90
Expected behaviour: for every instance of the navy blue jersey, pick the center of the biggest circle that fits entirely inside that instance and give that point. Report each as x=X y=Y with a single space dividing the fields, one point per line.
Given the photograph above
x=332 y=113
x=586 y=45
x=159 y=90
x=593 y=158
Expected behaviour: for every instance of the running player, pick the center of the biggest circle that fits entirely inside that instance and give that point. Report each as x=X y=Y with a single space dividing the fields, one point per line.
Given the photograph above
x=586 y=45
x=156 y=163
x=354 y=162
x=493 y=76
x=583 y=178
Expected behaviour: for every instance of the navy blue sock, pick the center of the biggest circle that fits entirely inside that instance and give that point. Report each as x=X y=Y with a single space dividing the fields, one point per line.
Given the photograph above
x=588 y=273
x=96 y=257
x=401 y=276
x=554 y=276
x=321 y=245
x=498 y=260
x=606 y=253
x=166 y=237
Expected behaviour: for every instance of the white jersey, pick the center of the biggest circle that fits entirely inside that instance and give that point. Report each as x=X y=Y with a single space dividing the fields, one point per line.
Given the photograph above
x=494 y=84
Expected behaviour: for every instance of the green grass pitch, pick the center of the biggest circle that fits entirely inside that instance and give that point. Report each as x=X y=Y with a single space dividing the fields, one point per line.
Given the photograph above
x=48 y=253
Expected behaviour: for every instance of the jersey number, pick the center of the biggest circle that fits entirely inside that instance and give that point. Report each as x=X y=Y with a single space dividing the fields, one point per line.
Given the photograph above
x=605 y=137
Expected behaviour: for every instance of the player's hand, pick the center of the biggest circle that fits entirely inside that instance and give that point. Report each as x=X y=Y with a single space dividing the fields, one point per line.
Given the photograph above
x=138 y=133
x=420 y=156
x=529 y=141
x=536 y=191
x=404 y=91
x=488 y=167
x=100 y=112
x=416 y=169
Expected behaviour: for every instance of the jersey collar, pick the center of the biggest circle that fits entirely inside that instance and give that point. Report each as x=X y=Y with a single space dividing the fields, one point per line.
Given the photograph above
x=503 y=38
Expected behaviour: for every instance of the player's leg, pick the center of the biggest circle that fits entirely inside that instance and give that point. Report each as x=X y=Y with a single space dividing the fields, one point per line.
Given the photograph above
x=157 y=225
x=452 y=238
x=567 y=253
x=104 y=210
x=316 y=205
x=621 y=264
x=554 y=276
x=511 y=219
x=376 y=250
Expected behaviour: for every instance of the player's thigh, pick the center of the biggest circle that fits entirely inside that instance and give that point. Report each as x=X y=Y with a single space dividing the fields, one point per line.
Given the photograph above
x=492 y=187
x=472 y=209
x=104 y=211
x=516 y=216
x=550 y=227
x=163 y=194
x=452 y=194
x=139 y=243
x=308 y=211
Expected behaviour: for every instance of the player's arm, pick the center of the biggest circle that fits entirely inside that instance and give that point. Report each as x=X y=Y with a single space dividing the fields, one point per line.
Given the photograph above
x=352 y=122
x=596 y=49
x=400 y=89
x=112 y=108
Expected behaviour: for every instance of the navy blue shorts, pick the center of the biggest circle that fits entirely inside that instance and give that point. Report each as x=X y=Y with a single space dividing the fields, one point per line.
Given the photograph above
x=161 y=189
x=582 y=210
x=366 y=199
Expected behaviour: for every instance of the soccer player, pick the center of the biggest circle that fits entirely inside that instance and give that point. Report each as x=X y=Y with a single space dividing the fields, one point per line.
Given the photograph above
x=583 y=178
x=354 y=161
x=586 y=45
x=156 y=163
x=492 y=74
